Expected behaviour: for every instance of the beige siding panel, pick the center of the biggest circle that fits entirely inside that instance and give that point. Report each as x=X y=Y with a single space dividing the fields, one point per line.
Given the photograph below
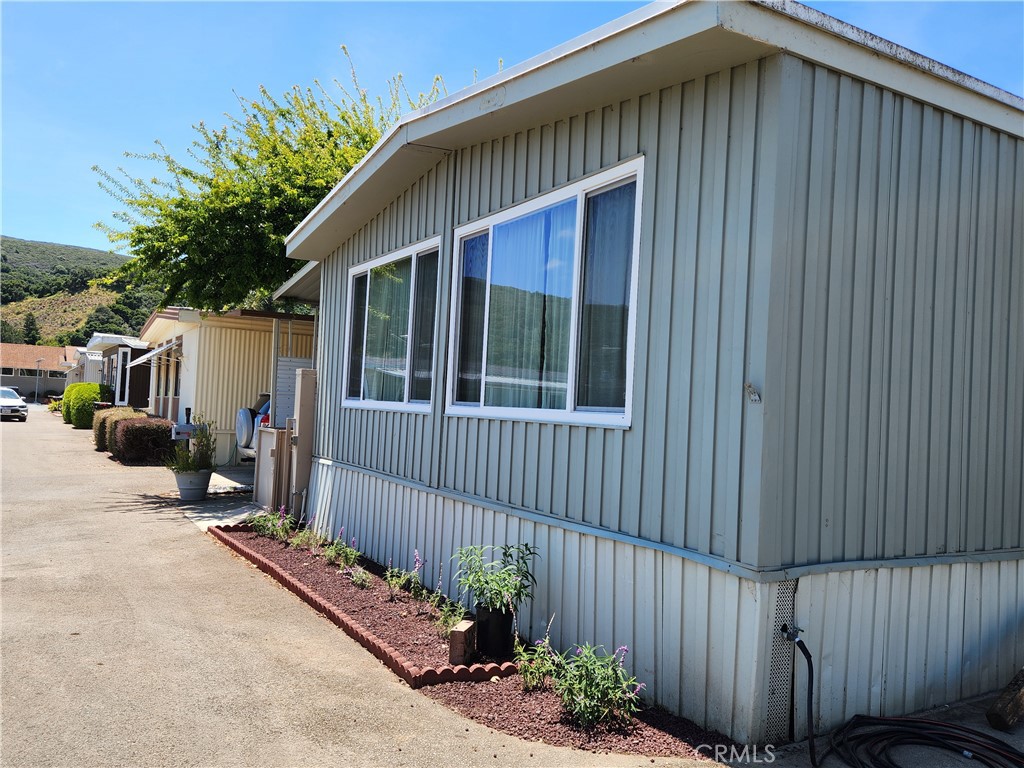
x=599 y=591
x=234 y=366
x=897 y=640
x=897 y=320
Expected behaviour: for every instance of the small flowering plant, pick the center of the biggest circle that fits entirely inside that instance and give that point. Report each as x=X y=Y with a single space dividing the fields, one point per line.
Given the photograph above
x=342 y=554
x=595 y=688
x=538 y=663
x=275 y=525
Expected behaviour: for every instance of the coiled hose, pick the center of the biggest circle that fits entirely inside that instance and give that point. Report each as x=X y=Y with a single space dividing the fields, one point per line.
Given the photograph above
x=866 y=742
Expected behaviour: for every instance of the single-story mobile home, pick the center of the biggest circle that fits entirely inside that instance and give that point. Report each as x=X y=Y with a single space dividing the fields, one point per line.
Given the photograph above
x=84 y=366
x=215 y=364
x=130 y=384
x=720 y=306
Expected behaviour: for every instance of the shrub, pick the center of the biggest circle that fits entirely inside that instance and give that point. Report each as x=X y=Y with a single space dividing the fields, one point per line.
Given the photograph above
x=77 y=405
x=501 y=583
x=596 y=688
x=276 y=526
x=101 y=419
x=110 y=422
x=142 y=441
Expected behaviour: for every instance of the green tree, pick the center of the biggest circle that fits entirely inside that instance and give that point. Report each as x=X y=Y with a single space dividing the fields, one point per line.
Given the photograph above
x=30 y=329
x=10 y=334
x=213 y=232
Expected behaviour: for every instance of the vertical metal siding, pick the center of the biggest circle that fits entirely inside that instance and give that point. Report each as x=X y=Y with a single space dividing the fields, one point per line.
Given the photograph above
x=691 y=631
x=892 y=641
x=897 y=324
x=675 y=475
x=402 y=444
x=233 y=367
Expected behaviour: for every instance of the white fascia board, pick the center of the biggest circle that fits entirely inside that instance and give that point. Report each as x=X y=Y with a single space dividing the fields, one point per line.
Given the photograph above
x=101 y=341
x=419 y=130
x=825 y=40
x=755 y=27
x=303 y=285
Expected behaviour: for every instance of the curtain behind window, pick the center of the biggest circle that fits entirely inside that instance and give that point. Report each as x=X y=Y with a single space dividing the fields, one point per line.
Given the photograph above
x=604 y=321
x=387 y=332
x=530 y=309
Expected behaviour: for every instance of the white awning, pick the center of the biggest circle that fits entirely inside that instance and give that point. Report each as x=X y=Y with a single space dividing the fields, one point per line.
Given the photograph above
x=152 y=353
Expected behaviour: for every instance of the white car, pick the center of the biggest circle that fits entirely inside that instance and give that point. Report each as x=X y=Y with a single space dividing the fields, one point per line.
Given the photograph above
x=12 y=405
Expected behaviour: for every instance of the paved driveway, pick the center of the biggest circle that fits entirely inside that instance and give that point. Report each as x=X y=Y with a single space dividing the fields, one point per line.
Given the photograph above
x=130 y=638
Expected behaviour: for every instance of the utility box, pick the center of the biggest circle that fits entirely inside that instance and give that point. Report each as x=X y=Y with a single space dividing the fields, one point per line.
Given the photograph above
x=302 y=439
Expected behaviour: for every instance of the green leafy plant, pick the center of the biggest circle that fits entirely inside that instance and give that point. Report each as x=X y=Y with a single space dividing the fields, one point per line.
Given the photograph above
x=77 y=403
x=307 y=538
x=449 y=614
x=200 y=454
x=340 y=553
x=396 y=579
x=357 y=576
x=538 y=663
x=276 y=526
x=500 y=584
x=595 y=688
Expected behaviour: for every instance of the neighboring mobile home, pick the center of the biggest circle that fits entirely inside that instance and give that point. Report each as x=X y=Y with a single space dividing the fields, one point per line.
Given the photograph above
x=84 y=366
x=721 y=307
x=129 y=384
x=215 y=364
x=35 y=370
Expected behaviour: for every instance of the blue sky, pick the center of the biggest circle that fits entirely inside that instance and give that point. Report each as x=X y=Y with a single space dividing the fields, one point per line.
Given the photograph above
x=85 y=82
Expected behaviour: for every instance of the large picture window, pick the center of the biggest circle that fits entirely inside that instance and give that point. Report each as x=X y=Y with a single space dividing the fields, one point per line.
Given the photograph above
x=544 y=305
x=391 y=313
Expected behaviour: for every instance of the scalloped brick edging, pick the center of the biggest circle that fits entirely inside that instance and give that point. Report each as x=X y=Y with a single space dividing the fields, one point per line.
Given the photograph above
x=415 y=676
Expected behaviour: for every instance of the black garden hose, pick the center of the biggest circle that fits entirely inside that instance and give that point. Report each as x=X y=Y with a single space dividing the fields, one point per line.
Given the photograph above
x=792 y=634
x=865 y=742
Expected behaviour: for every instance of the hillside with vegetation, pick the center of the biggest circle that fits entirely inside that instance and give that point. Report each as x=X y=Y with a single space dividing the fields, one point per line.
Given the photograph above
x=34 y=269
x=49 y=292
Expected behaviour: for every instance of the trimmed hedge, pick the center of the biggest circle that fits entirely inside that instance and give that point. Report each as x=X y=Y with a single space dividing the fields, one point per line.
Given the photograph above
x=101 y=428
x=76 y=407
x=141 y=441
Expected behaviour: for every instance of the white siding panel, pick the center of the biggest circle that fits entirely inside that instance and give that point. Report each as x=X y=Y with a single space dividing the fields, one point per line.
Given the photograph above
x=704 y=663
x=897 y=640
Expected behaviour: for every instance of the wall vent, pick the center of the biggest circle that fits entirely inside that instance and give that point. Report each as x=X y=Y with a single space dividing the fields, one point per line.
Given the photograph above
x=779 y=725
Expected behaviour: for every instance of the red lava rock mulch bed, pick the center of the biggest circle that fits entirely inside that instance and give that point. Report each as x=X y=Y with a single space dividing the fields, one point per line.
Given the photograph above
x=408 y=642
x=398 y=632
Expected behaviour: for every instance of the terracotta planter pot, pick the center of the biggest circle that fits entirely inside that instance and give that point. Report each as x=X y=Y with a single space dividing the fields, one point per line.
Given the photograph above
x=494 y=633
x=192 y=486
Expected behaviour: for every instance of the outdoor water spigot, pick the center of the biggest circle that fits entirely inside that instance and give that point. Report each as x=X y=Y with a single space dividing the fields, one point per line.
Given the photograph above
x=791 y=633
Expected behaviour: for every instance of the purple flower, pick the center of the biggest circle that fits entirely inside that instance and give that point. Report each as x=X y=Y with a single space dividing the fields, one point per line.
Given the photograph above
x=579 y=651
x=354 y=546
x=341 y=533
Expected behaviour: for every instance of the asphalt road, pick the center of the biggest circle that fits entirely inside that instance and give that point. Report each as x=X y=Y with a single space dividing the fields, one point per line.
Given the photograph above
x=130 y=638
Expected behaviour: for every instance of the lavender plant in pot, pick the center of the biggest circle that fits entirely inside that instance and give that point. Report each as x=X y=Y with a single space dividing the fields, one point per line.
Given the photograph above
x=498 y=586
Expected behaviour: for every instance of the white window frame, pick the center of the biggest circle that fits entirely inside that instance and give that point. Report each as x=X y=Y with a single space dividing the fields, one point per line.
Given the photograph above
x=595 y=183
x=413 y=251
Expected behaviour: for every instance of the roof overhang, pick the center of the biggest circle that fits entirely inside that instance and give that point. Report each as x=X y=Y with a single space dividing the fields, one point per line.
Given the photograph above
x=104 y=341
x=656 y=46
x=304 y=285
